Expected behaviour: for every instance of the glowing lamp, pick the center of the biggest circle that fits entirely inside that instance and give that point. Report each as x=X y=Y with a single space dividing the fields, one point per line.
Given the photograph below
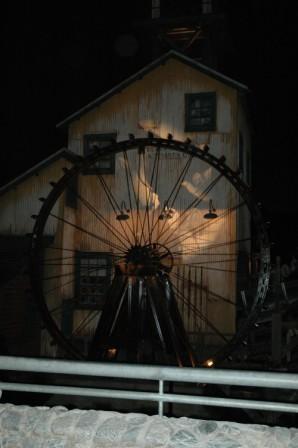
x=167 y=213
x=123 y=215
x=111 y=353
x=211 y=213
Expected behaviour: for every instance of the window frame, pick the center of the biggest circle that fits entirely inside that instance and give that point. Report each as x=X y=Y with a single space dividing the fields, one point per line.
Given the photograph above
x=80 y=255
x=189 y=98
x=101 y=138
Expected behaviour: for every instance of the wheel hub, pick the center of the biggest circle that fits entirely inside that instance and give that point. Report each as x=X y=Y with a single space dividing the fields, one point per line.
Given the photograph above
x=147 y=259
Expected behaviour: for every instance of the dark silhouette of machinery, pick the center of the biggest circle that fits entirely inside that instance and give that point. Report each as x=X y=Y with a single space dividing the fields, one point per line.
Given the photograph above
x=162 y=279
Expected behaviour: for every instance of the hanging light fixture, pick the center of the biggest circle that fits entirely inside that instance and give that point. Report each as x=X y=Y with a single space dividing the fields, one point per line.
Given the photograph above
x=167 y=213
x=123 y=215
x=211 y=214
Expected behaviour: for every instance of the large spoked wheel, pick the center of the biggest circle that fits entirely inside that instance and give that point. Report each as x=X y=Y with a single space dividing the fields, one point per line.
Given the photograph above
x=155 y=263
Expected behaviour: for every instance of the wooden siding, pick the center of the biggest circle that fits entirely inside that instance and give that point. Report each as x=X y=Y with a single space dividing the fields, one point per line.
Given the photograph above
x=18 y=204
x=158 y=101
x=19 y=318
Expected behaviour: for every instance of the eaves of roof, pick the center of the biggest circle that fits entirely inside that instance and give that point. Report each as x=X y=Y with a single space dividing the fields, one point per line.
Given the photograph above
x=62 y=153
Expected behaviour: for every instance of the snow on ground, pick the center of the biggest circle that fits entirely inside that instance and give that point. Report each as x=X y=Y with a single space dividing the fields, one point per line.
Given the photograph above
x=57 y=427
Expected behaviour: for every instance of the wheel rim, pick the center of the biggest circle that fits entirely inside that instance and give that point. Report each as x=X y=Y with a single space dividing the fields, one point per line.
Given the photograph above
x=171 y=216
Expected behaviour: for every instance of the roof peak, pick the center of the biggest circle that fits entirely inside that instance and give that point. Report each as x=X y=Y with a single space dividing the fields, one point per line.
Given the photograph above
x=142 y=72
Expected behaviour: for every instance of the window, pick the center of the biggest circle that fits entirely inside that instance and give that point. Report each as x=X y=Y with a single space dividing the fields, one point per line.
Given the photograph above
x=93 y=278
x=206 y=6
x=200 y=111
x=106 y=165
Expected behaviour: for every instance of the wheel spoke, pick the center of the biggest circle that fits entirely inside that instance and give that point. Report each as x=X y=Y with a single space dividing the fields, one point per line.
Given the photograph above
x=200 y=314
x=99 y=267
x=56 y=259
x=73 y=273
x=151 y=192
x=114 y=204
x=140 y=150
x=148 y=194
x=48 y=261
x=187 y=212
x=85 y=321
x=87 y=232
x=208 y=268
x=156 y=162
x=199 y=251
x=109 y=226
x=60 y=307
x=94 y=269
x=112 y=254
x=175 y=191
x=134 y=194
x=195 y=230
x=203 y=254
x=225 y=243
x=205 y=289
x=59 y=248
x=103 y=221
x=202 y=263
x=179 y=182
x=128 y=176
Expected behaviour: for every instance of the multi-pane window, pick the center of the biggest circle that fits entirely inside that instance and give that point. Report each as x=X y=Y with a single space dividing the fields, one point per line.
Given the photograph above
x=200 y=111
x=106 y=164
x=93 y=278
x=206 y=6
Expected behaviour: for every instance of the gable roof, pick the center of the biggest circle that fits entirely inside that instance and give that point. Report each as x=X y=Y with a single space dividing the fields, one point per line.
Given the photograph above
x=62 y=153
x=172 y=54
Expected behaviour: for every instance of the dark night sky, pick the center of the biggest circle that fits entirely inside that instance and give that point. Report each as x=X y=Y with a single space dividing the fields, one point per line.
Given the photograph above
x=56 y=61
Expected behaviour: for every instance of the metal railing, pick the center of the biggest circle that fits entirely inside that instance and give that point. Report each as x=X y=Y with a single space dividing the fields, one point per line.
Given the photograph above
x=157 y=373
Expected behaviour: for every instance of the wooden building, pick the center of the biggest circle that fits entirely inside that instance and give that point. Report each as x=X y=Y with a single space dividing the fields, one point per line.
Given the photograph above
x=173 y=95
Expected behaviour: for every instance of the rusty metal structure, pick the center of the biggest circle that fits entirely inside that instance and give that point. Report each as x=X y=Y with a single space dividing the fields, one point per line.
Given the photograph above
x=176 y=291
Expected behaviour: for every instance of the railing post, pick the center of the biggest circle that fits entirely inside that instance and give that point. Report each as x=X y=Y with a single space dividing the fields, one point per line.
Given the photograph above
x=276 y=327
x=160 y=402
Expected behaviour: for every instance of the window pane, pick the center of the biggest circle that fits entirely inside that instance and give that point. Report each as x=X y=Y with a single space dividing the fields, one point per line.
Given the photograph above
x=200 y=111
x=106 y=165
x=94 y=278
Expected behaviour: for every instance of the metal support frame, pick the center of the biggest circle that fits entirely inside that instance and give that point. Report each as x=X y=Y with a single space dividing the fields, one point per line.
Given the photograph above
x=158 y=373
